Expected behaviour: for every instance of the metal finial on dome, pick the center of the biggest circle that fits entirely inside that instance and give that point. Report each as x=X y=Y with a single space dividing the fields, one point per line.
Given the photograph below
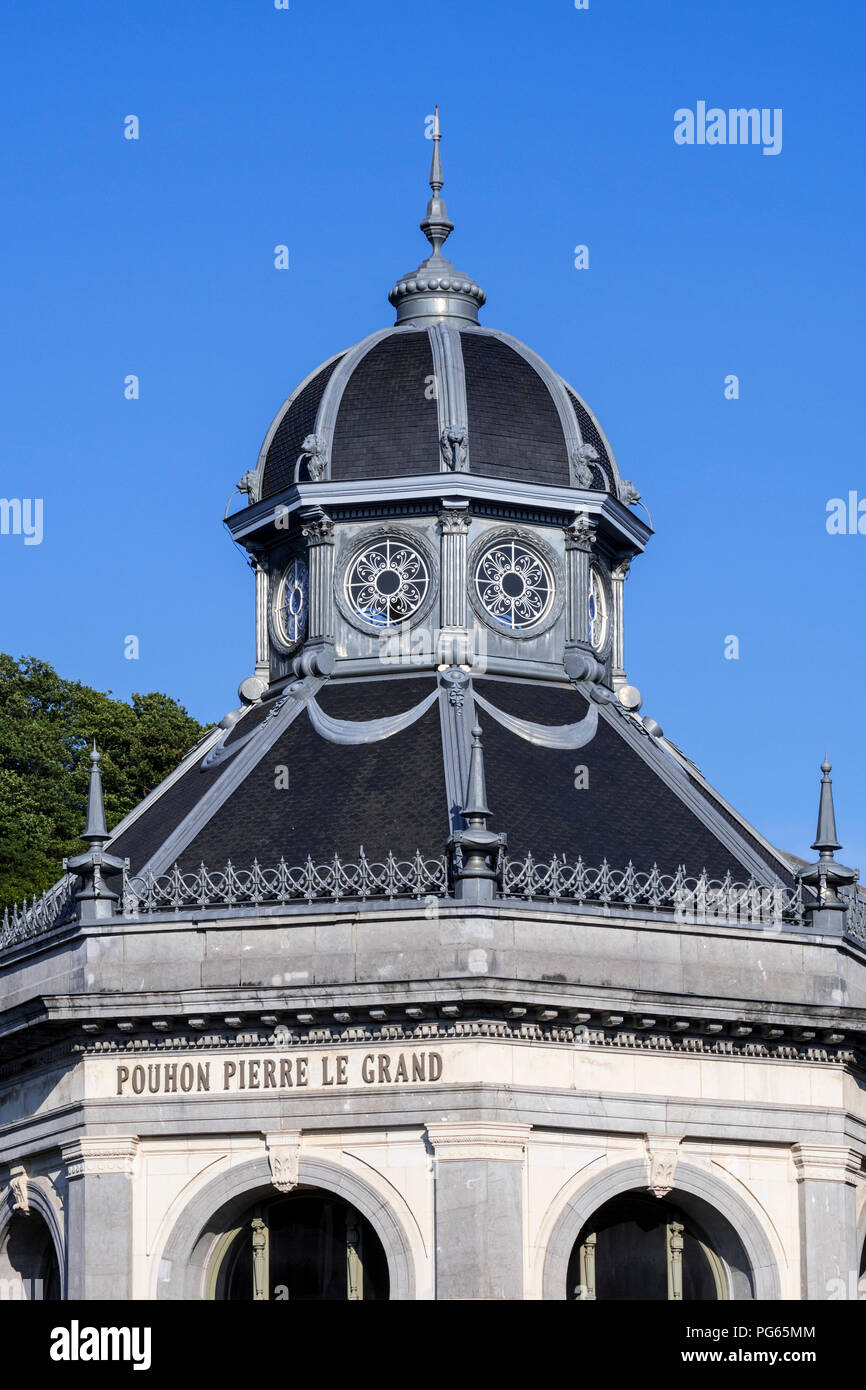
x=437 y=225
x=436 y=179
x=436 y=289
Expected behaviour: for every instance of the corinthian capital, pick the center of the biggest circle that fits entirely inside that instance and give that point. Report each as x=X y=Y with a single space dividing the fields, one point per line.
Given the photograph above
x=317 y=526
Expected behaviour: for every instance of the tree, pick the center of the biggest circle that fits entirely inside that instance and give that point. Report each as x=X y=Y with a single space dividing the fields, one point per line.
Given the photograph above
x=47 y=726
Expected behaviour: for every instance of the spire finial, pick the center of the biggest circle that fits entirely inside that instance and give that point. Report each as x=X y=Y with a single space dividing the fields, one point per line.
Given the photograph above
x=94 y=898
x=825 y=836
x=95 y=829
x=476 y=811
x=827 y=875
x=437 y=225
x=436 y=290
x=436 y=179
x=479 y=847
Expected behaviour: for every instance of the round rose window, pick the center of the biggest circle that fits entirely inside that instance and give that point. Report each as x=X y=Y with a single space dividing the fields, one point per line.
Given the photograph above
x=387 y=582
x=514 y=584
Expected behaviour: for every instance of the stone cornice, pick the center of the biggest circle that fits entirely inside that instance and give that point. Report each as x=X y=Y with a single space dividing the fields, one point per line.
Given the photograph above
x=435 y=1021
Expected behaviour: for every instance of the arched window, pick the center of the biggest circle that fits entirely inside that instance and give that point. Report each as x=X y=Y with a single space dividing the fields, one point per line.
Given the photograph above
x=28 y=1260
x=308 y=1247
x=640 y=1247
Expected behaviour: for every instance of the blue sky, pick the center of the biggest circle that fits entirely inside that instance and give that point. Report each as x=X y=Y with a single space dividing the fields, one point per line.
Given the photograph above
x=306 y=127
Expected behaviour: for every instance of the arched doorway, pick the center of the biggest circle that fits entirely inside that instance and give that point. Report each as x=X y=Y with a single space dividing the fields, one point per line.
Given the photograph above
x=310 y=1247
x=732 y=1229
x=637 y=1246
x=29 y=1268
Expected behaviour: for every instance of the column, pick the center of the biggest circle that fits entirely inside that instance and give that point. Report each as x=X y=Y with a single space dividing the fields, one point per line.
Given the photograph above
x=453 y=644
x=479 y=1180
x=618 y=576
x=99 y=1216
x=262 y=654
x=826 y=1177
x=579 y=540
x=317 y=655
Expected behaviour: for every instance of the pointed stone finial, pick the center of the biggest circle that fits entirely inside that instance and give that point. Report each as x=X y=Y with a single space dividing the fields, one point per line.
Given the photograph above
x=826 y=876
x=94 y=898
x=825 y=836
x=479 y=846
x=476 y=811
x=95 y=829
x=436 y=290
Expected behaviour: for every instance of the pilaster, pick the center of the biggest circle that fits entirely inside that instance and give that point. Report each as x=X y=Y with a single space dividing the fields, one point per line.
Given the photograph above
x=618 y=576
x=317 y=656
x=479 y=1197
x=579 y=541
x=262 y=654
x=454 y=641
x=826 y=1178
x=99 y=1172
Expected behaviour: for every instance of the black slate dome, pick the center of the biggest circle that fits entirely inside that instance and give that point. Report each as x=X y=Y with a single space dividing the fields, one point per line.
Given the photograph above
x=436 y=393
x=377 y=411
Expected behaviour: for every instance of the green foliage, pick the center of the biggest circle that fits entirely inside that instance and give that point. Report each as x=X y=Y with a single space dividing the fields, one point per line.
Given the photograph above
x=47 y=725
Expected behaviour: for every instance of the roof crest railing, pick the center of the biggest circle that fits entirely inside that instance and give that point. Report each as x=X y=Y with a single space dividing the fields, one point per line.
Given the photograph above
x=687 y=898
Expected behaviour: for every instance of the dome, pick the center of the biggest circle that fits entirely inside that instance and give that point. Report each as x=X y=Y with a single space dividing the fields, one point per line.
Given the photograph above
x=436 y=393
x=377 y=411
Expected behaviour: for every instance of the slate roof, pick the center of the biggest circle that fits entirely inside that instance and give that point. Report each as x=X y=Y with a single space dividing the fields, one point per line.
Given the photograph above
x=387 y=423
x=514 y=426
x=392 y=795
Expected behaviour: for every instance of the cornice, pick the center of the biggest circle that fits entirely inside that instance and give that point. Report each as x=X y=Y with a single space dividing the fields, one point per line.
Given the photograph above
x=413 y=487
x=437 y=1022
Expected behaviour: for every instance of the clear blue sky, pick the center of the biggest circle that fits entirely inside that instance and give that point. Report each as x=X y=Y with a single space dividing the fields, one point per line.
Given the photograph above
x=306 y=127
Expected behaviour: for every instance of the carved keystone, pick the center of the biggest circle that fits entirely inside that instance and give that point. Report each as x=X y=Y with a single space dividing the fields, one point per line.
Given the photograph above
x=284 y=1151
x=662 y=1156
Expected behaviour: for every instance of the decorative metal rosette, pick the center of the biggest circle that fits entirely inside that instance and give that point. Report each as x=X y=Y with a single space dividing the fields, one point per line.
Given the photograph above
x=387 y=582
x=514 y=584
x=294 y=601
x=597 y=604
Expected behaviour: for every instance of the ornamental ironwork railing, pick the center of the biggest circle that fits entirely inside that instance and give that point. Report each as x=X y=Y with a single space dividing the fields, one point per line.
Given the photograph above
x=691 y=899
x=231 y=887
x=53 y=908
x=688 y=899
x=855 y=914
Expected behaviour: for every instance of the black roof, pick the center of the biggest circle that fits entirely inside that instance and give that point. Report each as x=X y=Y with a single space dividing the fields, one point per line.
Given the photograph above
x=386 y=421
x=392 y=794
